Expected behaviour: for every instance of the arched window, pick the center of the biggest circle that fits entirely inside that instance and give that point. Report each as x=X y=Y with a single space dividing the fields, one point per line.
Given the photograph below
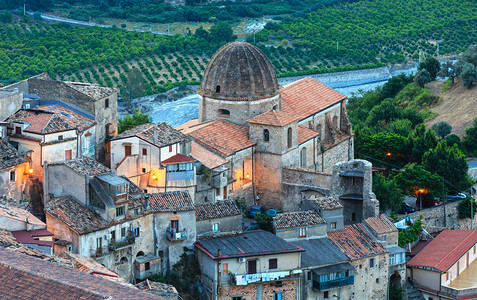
x=335 y=123
x=303 y=158
x=289 y=137
x=318 y=129
x=123 y=260
x=217 y=89
x=224 y=113
x=139 y=254
x=266 y=135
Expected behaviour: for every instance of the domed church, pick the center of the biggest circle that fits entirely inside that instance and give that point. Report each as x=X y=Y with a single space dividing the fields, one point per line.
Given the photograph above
x=273 y=145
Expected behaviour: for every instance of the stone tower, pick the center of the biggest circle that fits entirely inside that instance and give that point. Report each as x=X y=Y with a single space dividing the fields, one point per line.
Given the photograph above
x=238 y=84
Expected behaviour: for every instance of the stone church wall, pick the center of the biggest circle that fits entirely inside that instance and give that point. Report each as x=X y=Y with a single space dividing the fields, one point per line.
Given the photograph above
x=340 y=152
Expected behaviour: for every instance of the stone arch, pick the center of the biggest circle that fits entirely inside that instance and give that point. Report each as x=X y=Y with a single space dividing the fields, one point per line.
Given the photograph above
x=217 y=89
x=303 y=157
x=318 y=129
x=395 y=279
x=223 y=112
x=335 y=123
x=123 y=260
x=289 y=137
x=266 y=135
x=139 y=254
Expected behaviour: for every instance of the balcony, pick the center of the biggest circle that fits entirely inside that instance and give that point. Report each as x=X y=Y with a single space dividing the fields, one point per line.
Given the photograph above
x=331 y=284
x=175 y=235
x=244 y=279
x=99 y=252
x=117 y=245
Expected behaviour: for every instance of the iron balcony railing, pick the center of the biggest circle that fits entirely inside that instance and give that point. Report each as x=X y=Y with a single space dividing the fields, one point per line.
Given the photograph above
x=330 y=284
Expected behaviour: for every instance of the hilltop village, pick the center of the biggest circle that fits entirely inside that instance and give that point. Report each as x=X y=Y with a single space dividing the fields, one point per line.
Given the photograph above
x=89 y=213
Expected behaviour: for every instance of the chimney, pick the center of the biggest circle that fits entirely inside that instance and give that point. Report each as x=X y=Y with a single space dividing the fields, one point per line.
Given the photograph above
x=156 y=136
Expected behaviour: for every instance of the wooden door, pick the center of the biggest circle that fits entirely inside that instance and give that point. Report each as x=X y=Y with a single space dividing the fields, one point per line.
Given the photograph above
x=252 y=266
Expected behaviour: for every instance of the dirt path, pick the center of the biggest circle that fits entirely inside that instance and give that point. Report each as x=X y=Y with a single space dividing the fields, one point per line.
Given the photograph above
x=458 y=107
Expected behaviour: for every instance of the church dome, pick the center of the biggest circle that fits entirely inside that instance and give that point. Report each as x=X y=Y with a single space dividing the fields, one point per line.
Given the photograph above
x=239 y=71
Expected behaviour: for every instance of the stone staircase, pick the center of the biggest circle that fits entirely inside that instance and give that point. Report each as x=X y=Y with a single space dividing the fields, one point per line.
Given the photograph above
x=412 y=292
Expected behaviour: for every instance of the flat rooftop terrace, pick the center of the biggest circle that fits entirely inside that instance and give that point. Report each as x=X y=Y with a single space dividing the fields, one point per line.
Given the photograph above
x=467 y=279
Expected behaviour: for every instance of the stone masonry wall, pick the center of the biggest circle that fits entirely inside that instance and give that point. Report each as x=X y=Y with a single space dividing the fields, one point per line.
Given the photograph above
x=249 y=292
x=340 y=152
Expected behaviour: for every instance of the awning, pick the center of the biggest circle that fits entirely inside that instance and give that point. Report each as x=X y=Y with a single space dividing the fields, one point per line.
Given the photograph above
x=395 y=249
x=346 y=266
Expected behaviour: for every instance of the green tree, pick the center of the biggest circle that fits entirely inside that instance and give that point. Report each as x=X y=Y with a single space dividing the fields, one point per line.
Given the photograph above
x=432 y=66
x=131 y=121
x=222 y=32
x=411 y=234
x=450 y=70
x=448 y=162
x=384 y=113
x=442 y=129
x=468 y=74
x=420 y=141
x=422 y=77
x=470 y=139
x=453 y=139
x=134 y=86
x=265 y=222
x=388 y=193
x=465 y=208
x=414 y=179
x=383 y=146
x=402 y=127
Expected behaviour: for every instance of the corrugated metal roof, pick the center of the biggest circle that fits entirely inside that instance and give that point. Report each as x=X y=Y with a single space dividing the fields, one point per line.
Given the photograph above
x=320 y=252
x=333 y=269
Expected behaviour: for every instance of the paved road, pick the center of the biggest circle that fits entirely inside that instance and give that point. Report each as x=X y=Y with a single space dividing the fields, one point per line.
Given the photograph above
x=76 y=22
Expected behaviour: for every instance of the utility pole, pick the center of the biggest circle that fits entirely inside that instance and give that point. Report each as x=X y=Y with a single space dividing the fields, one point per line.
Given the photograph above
x=437 y=42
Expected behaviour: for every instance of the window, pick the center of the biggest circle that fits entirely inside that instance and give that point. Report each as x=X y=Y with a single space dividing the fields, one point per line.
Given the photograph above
x=175 y=225
x=333 y=225
x=144 y=170
x=148 y=266
x=68 y=154
x=161 y=253
x=12 y=176
x=302 y=232
x=371 y=263
x=303 y=158
x=377 y=280
x=120 y=211
x=170 y=148
x=137 y=231
x=384 y=238
x=308 y=275
x=123 y=232
x=18 y=130
x=266 y=135
x=226 y=267
x=252 y=266
x=289 y=138
x=335 y=123
x=272 y=263
x=217 y=89
x=237 y=298
x=60 y=137
x=318 y=129
x=99 y=242
x=113 y=235
x=127 y=150
x=391 y=259
x=447 y=276
x=325 y=294
x=106 y=103
x=224 y=113
x=215 y=227
x=278 y=296
x=144 y=151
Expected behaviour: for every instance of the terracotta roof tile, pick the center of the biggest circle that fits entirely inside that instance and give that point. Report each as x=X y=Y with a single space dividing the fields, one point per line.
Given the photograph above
x=207 y=158
x=274 y=118
x=19 y=214
x=69 y=116
x=40 y=121
x=86 y=166
x=166 y=134
x=297 y=219
x=74 y=215
x=26 y=277
x=305 y=134
x=356 y=242
x=223 y=137
x=192 y=125
x=157 y=288
x=444 y=251
x=326 y=203
x=308 y=96
x=380 y=224
x=170 y=201
x=219 y=209
x=94 y=91
x=178 y=158
x=9 y=156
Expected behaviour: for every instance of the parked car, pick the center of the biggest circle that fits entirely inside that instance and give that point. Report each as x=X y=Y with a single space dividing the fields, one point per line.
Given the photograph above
x=455 y=196
x=428 y=202
x=273 y=212
x=254 y=210
x=405 y=209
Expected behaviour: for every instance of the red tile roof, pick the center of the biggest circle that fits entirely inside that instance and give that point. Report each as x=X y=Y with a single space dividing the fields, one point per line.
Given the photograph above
x=219 y=209
x=223 y=137
x=178 y=158
x=207 y=158
x=308 y=96
x=356 y=242
x=21 y=215
x=444 y=251
x=380 y=225
x=159 y=134
x=40 y=121
x=305 y=134
x=274 y=118
x=26 y=237
x=170 y=201
x=69 y=116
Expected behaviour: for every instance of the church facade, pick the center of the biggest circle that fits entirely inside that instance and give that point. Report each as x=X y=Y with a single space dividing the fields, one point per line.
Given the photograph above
x=269 y=134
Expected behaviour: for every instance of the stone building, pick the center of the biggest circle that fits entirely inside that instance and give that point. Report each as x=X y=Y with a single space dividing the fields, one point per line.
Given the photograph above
x=215 y=218
x=299 y=225
x=250 y=265
x=369 y=258
x=100 y=102
x=263 y=129
x=14 y=172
